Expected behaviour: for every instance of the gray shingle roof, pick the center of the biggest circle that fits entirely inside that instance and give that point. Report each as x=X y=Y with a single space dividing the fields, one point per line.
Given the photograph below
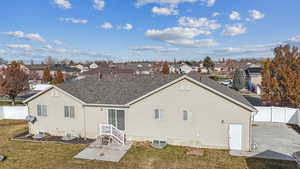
x=123 y=88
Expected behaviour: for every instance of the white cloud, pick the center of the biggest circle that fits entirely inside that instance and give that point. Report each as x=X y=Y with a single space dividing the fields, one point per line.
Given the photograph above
x=50 y=48
x=99 y=4
x=58 y=42
x=106 y=25
x=235 y=16
x=2 y=51
x=295 y=39
x=164 y=11
x=234 y=30
x=209 y=3
x=74 y=20
x=202 y=23
x=22 y=35
x=179 y=36
x=215 y=14
x=63 y=4
x=20 y=46
x=256 y=15
x=127 y=26
x=191 y=43
x=172 y=3
x=175 y=33
x=152 y=48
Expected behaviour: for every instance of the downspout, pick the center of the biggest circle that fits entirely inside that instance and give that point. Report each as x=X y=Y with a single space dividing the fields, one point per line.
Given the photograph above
x=84 y=122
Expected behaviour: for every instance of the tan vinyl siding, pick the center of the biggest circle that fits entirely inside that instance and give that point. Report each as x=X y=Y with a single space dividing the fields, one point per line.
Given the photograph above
x=203 y=129
x=55 y=122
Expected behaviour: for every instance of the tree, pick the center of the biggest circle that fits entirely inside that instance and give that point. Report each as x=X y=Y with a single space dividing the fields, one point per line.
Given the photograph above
x=47 y=75
x=165 y=68
x=71 y=63
x=50 y=61
x=58 y=77
x=238 y=82
x=281 y=78
x=13 y=81
x=33 y=75
x=208 y=64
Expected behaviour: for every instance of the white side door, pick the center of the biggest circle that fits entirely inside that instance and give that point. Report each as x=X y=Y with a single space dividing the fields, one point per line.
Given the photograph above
x=235 y=136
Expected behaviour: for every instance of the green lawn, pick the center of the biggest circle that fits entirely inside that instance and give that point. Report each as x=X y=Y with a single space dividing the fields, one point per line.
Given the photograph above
x=27 y=155
x=5 y=103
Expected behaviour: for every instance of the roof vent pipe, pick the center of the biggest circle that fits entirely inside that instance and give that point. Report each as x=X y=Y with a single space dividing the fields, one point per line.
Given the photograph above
x=100 y=75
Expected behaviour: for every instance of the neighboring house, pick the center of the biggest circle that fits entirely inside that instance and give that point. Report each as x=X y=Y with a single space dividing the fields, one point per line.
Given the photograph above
x=81 y=67
x=139 y=68
x=187 y=110
x=93 y=66
x=2 y=67
x=254 y=78
x=187 y=67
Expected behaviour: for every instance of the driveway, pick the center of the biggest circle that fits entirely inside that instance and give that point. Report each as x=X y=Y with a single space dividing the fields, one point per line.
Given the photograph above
x=273 y=141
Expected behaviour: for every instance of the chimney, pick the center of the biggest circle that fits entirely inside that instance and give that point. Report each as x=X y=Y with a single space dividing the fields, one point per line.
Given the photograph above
x=100 y=75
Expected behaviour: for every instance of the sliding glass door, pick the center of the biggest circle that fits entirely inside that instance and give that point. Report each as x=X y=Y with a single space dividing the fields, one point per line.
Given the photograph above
x=117 y=118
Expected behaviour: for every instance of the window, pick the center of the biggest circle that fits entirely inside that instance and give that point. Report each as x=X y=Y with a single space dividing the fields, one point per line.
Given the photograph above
x=42 y=110
x=69 y=112
x=158 y=114
x=185 y=115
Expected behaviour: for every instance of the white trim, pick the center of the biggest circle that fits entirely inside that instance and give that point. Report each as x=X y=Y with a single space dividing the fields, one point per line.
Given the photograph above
x=55 y=87
x=108 y=105
x=200 y=84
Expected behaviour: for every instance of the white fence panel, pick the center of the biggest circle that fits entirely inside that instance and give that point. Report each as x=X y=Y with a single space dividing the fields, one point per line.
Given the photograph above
x=13 y=112
x=291 y=115
x=277 y=114
x=263 y=114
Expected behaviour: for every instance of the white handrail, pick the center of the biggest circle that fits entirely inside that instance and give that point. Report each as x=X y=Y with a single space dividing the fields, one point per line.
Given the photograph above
x=109 y=129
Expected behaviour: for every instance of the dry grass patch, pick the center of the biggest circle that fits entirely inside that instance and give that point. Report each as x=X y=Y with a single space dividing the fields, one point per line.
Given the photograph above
x=28 y=155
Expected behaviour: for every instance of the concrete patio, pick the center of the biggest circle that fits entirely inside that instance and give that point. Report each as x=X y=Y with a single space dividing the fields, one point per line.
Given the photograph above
x=273 y=141
x=112 y=152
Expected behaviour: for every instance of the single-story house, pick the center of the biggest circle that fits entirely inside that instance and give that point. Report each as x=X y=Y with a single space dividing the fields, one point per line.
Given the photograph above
x=188 y=110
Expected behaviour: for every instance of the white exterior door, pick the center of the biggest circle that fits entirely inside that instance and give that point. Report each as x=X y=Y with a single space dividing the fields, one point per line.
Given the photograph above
x=235 y=136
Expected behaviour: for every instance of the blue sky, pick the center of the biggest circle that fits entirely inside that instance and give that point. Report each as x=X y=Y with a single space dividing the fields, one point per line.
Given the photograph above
x=123 y=30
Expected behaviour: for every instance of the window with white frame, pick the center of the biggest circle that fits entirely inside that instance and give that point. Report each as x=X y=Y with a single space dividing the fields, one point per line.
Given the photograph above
x=69 y=112
x=185 y=115
x=158 y=114
x=42 y=110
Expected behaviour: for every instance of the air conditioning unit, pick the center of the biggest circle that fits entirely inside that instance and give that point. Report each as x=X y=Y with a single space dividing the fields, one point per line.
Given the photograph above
x=30 y=118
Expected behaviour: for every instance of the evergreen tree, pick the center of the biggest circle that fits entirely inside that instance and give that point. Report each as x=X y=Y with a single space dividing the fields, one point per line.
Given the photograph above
x=238 y=80
x=208 y=64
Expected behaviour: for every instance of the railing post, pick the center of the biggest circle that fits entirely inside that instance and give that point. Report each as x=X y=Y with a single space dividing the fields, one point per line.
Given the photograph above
x=111 y=133
x=100 y=126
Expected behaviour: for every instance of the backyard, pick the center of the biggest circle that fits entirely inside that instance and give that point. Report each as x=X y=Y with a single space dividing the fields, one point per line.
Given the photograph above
x=29 y=155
